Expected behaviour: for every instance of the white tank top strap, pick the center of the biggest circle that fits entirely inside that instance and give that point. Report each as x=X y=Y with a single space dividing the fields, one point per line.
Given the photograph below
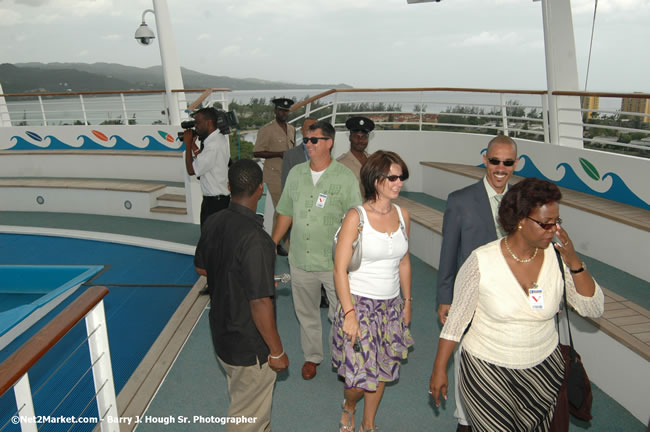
x=402 y=225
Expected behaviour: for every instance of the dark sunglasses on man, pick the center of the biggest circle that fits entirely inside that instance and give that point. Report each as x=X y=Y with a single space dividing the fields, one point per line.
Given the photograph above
x=507 y=162
x=314 y=140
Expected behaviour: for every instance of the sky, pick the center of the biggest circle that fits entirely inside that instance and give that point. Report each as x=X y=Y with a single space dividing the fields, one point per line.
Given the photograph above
x=496 y=44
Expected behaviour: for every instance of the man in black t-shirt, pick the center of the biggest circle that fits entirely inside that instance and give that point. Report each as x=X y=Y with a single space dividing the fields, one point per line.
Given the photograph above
x=238 y=258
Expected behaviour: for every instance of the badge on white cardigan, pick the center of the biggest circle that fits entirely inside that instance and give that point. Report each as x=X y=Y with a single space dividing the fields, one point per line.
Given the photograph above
x=536 y=297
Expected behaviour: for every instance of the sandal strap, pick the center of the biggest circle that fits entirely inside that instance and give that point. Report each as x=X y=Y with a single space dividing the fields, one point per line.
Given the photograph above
x=347 y=427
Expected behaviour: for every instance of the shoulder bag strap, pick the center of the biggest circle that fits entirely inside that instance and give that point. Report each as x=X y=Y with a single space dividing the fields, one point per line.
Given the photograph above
x=566 y=305
x=360 y=226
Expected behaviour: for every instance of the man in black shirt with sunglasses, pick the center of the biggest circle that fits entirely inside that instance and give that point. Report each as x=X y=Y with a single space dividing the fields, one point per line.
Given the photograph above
x=470 y=222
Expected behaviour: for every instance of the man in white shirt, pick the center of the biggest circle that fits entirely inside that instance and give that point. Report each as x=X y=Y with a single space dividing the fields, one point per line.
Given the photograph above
x=210 y=162
x=470 y=222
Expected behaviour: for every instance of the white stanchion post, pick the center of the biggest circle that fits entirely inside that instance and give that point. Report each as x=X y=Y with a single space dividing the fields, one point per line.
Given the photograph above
x=5 y=120
x=193 y=196
x=25 y=404
x=100 y=357
x=504 y=114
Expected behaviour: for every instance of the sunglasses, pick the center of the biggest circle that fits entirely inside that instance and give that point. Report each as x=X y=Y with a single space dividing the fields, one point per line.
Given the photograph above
x=507 y=162
x=393 y=178
x=546 y=226
x=314 y=140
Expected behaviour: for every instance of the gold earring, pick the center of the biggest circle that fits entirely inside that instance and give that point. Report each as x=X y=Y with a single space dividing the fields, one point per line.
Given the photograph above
x=519 y=227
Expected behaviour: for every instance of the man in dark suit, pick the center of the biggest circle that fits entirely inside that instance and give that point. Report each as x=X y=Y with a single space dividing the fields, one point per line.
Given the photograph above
x=470 y=222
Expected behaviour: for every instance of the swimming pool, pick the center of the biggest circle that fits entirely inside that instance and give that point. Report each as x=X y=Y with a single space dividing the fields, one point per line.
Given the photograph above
x=145 y=288
x=29 y=292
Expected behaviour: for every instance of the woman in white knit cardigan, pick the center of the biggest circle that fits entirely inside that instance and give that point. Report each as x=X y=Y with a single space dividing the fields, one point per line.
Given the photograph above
x=511 y=367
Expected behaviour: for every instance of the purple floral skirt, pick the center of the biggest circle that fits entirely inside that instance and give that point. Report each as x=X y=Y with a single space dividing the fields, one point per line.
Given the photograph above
x=385 y=341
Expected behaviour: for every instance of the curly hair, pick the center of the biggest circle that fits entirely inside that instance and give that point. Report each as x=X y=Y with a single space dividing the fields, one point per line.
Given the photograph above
x=522 y=198
x=376 y=168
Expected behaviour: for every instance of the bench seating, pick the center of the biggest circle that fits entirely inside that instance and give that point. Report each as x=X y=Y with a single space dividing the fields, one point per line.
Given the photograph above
x=633 y=216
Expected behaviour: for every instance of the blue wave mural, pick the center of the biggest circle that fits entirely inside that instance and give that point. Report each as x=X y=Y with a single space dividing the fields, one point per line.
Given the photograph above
x=90 y=144
x=154 y=144
x=87 y=143
x=22 y=144
x=618 y=191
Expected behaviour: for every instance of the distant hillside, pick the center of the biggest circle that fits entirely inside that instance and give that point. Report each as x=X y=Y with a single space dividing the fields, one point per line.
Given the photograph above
x=56 y=77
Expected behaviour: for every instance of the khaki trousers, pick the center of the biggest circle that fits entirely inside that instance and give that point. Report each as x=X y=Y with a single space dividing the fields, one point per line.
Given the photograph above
x=305 y=288
x=251 y=393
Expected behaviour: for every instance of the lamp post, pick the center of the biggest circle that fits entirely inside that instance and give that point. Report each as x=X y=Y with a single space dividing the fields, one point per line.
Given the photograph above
x=176 y=103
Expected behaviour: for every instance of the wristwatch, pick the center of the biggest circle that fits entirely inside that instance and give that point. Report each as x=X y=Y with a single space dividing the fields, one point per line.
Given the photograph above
x=582 y=268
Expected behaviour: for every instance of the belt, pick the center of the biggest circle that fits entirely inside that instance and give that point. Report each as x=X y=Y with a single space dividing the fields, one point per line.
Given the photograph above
x=215 y=197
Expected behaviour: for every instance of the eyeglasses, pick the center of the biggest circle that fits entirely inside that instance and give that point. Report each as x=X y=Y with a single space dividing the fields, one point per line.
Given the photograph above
x=314 y=140
x=393 y=178
x=507 y=162
x=546 y=226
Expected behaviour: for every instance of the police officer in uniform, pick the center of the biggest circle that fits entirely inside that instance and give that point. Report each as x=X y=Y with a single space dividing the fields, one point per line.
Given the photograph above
x=272 y=141
x=360 y=128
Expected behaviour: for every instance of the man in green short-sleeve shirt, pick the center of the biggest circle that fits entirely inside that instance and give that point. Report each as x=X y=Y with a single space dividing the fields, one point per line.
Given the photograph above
x=316 y=196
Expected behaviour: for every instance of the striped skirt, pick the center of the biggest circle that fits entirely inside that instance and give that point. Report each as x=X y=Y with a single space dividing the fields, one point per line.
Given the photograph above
x=497 y=398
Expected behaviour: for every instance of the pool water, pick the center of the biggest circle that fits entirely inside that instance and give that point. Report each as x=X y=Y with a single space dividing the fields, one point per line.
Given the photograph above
x=29 y=292
x=145 y=288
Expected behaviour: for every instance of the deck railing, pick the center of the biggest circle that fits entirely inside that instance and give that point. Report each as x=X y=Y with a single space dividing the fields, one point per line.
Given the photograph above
x=518 y=113
x=604 y=121
x=101 y=107
x=14 y=372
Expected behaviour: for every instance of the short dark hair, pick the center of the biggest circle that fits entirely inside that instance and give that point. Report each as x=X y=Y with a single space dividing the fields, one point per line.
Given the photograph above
x=327 y=129
x=501 y=139
x=376 y=168
x=522 y=198
x=209 y=113
x=244 y=176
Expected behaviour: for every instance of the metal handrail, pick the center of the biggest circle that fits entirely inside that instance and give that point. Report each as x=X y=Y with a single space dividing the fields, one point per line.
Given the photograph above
x=111 y=92
x=16 y=365
x=416 y=89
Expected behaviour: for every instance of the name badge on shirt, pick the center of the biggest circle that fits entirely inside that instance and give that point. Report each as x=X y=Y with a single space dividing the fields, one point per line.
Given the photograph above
x=320 y=202
x=536 y=298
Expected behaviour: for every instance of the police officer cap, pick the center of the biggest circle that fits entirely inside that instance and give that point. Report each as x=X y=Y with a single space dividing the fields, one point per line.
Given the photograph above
x=282 y=103
x=358 y=123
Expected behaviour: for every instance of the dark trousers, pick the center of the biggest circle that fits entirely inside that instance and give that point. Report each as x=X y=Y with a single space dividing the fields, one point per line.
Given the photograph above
x=212 y=204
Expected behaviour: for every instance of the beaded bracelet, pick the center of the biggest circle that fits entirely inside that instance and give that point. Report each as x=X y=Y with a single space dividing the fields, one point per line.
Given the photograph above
x=408 y=299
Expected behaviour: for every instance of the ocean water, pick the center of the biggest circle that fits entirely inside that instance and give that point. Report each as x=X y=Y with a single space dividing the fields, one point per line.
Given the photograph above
x=148 y=109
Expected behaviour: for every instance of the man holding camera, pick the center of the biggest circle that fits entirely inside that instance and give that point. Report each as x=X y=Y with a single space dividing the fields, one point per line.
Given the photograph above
x=208 y=162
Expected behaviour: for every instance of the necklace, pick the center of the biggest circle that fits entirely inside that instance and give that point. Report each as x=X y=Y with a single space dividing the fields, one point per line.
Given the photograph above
x=515 y=257
x=380 y=212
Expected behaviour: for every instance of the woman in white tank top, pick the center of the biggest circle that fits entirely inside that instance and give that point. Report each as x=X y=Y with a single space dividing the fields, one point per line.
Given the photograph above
x=370 y=330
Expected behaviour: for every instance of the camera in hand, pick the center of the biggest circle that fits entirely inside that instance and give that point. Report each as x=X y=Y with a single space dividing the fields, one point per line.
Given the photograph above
x=225 y=121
